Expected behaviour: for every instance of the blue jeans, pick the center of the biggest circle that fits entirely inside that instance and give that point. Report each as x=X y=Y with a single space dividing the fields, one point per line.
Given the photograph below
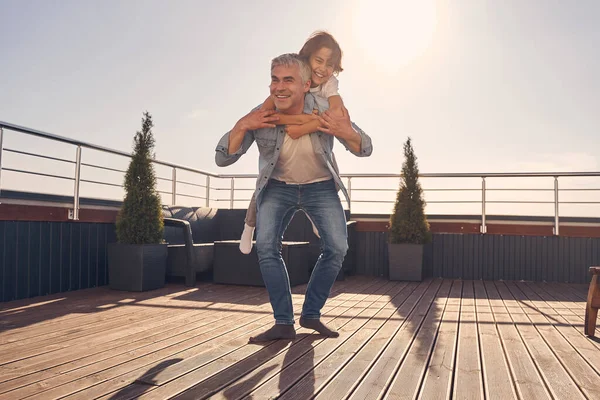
x=276 y=207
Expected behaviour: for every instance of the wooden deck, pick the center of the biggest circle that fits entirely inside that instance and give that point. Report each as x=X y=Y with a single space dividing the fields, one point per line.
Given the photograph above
x=437 y=339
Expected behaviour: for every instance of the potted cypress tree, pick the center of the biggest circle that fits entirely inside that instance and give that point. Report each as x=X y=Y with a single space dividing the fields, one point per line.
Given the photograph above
x=138 y=260
x=408 y=229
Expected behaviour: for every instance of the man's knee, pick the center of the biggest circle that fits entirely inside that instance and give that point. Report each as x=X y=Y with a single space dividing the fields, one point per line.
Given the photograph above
x=266 y=247
x=337 y=248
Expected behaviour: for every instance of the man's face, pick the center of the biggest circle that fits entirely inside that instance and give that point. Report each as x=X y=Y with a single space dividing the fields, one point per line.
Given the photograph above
x=287 y=89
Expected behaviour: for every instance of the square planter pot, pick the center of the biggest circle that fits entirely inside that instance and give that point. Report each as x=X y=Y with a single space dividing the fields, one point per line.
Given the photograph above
x=136 y=267
x=405 y=262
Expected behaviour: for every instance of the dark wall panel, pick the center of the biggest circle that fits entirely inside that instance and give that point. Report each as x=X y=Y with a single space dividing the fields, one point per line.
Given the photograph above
x=494 y=257
x=40 y=258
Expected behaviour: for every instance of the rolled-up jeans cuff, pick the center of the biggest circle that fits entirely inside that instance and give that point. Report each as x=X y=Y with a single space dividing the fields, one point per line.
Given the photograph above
x=317 y=317
x=283 y=322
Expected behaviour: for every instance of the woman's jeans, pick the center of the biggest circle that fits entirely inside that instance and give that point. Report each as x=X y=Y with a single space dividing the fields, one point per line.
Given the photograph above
x=278 y=204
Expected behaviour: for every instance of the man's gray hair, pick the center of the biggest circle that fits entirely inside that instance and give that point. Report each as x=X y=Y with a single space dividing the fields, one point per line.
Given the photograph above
x=293 y=59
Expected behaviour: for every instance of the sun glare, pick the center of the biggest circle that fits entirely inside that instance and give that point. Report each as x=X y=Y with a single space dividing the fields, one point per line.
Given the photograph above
x=393 y=33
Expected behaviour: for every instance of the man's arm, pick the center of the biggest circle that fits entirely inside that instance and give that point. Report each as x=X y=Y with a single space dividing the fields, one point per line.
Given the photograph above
x=236 y=142
x=350 y=135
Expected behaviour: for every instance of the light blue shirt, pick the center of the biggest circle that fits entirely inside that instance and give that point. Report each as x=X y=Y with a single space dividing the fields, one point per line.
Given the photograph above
x=270 y=141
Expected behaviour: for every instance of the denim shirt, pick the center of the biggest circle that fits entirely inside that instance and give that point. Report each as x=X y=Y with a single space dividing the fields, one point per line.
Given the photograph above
x=270 y=141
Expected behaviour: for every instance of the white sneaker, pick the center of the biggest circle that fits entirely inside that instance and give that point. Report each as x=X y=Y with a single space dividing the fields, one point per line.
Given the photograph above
x=246 y=239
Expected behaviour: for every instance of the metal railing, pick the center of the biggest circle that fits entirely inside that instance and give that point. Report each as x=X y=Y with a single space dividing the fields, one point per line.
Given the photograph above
x=233 y=189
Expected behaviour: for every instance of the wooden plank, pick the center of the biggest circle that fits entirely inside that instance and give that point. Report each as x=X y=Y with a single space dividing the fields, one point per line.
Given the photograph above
x=409 y=375
x=438 y=377
x=528 y=381
x=343 y=382
x=572 y=311
x=169 y=329
x=468 y=383
x=197 y=386
x=498 y=382
x=568 y=317
x=320 y=377
x=556 y=378
x=60 y=314
x=290 y=375
x=79 y=336
x=195 y=362
x=103 y=379
x=268 y=370
x=378 y=378
x=555 y=336
x=339 y=300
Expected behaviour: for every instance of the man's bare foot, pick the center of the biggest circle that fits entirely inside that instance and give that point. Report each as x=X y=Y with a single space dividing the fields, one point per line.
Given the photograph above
x=277 y=331
x=318 y=326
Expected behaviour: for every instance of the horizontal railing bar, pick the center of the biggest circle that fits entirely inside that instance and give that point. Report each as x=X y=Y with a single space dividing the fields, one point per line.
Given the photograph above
x=233 y=200
x=39 y=156
x=580 y=202
x=191 y=184
x=101 y=183
x=63 y=139
x=189 y=195
x=37 y=173
x=104 y=168
x=577 y=190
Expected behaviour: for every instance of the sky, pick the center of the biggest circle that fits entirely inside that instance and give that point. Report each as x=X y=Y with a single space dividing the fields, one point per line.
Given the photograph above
x=479 y=86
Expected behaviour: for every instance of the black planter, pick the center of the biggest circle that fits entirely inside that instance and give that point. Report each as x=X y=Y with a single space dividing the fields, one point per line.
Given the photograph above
x=136 y=267
x=405 y=262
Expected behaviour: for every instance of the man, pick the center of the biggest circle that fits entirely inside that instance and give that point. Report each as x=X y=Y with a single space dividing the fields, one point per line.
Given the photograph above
x=295 y=175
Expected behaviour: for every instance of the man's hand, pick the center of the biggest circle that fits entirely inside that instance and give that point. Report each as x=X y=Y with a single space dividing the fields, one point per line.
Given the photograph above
x=257 y=119
x=338 y=124
x=253 y=120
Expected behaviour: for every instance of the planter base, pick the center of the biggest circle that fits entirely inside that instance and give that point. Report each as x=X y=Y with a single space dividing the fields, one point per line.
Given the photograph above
x=136 y=268
x=405 y=262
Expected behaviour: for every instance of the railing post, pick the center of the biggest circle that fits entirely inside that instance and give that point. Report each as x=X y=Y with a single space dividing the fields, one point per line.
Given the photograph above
x=77 y=180
x=174 y=186
x=350 y=194
x=207 y=190
x=556 y=222
x=483 y=223
x=231 y=197
x=1 y=138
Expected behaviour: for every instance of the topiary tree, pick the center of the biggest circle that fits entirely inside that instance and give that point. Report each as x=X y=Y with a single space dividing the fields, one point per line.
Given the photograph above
x=140 y=219
x=408 y=223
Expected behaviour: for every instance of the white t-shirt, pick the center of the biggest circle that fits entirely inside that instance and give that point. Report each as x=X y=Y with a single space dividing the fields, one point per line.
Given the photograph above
x=325 y=91
x=298 y=162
